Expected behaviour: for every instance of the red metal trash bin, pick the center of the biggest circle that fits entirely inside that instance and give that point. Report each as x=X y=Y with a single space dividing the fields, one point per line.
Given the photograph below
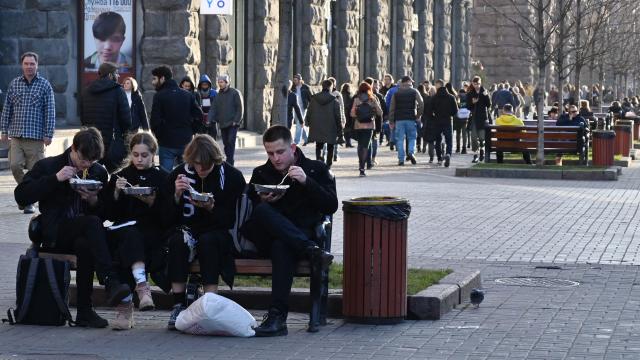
x=624 y=136
x=374 y=284
x=603 y=147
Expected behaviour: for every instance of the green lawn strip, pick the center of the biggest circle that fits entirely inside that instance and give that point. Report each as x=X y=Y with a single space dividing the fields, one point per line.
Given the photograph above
x=518 y=156
x=417 y=279
x=529 y=167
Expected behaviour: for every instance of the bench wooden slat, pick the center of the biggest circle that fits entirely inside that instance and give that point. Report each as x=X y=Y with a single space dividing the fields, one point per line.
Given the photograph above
x=500 y=145
x=521 y=135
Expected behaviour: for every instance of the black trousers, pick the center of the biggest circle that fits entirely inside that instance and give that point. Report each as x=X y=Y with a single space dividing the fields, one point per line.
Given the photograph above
x=85 y=237
x=330 y=151
x=284 y=242
x=209 y=249
x=525 y=156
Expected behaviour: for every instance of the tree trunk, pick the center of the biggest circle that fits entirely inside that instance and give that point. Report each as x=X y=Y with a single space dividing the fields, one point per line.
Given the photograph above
x=579 y=59
x=542 y=82
x=560 y=52
x=279 y=109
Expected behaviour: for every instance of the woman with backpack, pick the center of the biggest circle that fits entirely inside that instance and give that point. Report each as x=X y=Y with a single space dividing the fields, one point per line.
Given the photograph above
x=364 y=109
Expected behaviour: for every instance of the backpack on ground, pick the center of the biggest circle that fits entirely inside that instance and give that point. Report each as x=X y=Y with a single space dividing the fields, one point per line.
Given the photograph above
x=42 y=292
x=364 y=112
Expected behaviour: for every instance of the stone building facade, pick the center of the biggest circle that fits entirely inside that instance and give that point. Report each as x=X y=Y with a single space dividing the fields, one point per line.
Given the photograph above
x=347 y=39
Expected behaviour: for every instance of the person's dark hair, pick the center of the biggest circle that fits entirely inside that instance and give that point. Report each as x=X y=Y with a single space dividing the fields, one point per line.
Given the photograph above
x=476 y=79
x=439 y=81
x=106 y=69
x=369 y=81
x=553 y=110
x=29 y=54
x=333 y=82
x=277 y=132
x=162 y=71
x=107 y=24
x=88 y=143
x=188 y=79
x=449 y=88
x=327 y=84
x=204 y=150
x=144 y=138
x=507 y=108
x=345 y=88
x=421 y=89
x=388 y=76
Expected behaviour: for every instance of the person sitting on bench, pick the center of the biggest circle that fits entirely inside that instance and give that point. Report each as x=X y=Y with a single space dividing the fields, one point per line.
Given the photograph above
x=572 y=118
x=203 y=226
x=133 y=245
x=508 y=119
x=69 y=218
x=282 y=225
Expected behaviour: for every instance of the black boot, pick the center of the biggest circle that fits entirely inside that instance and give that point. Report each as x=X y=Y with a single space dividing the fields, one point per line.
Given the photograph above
x=273 y=324
x=481 y=156
x=319 y=257
x=89 y=318
x=115 y=290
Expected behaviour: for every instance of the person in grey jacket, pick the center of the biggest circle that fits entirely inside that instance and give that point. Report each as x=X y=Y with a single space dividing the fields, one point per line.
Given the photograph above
x=227 y=109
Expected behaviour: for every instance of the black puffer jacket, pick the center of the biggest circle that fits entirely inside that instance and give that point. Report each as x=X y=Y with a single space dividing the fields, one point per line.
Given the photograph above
x=105 y=106
x=480 y=110
x=56 y=199
x=444 y=107
x=172 y=115
x=138 y=112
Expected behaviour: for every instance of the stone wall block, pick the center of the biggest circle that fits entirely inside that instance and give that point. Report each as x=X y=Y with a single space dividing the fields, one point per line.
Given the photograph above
x=269 y=28
x=180 y=71
x=9 y=54
x=168 y=4
x=50 y=51
x=165 y=51
x=8 y=73
x=221 y=51
x=11 y=4
x=217 y=27
x=58 y=24
x=182 y=23
x=155 y=23
x=57 y=76
x=47 y=4
x=263 y=75
x=23 y=24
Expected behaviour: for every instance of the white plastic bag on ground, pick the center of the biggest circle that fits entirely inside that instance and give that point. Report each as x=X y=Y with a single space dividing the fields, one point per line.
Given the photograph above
x=213 y=314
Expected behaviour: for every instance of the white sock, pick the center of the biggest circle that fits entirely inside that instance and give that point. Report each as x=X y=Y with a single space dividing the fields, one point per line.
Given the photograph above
x=139 y=274
x=128 y=299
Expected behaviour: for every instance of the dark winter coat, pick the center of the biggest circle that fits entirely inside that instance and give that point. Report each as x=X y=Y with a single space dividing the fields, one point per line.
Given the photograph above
x=444 y=107
x=56 y=200
x=480 y=111
x=565 y=120
x=429 y=128
x=293 y=109
x=305 y=92
x=138 y=113
x=323 y=118
x=105 y=106
x=172 y=115
x=304 y=205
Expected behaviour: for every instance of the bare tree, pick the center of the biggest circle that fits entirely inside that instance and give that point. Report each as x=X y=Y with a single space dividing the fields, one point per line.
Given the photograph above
x=537 y=22
x=283 y=66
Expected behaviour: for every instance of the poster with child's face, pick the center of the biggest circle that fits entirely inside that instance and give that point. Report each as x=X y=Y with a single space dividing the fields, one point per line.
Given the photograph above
x=108 y=37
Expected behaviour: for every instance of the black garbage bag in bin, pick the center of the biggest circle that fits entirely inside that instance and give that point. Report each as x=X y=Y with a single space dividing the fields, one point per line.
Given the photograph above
x=375 y=259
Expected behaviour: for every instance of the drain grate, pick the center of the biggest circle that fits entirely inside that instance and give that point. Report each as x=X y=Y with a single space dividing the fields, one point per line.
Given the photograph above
x=536 y=282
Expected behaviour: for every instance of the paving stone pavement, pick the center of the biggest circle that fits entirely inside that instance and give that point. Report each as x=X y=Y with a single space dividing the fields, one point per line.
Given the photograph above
x=574 y=230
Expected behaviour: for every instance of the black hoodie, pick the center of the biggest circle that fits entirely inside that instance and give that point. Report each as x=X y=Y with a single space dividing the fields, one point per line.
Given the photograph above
x=105 y=106
x=444 y=107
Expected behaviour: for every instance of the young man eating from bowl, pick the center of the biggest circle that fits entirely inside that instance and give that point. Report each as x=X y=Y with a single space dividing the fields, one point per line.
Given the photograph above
x=69 y=220
x=282 y=223
x=201 y=198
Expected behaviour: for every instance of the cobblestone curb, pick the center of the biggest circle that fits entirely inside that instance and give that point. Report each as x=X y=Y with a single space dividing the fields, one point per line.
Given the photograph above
x=591 y=175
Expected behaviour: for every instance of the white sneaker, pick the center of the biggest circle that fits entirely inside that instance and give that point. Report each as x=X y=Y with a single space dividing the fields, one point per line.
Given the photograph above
x=144 y=295
x=124 y=316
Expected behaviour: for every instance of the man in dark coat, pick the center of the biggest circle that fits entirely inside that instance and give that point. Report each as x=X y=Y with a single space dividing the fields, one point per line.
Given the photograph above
x=479 y=104
x=444 y=107
x=282 y=226
x=172 y=117
x=70 y=221
x=325 y=121
x=105 y=106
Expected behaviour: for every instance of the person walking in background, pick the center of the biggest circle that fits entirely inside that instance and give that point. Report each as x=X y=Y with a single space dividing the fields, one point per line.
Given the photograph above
x=373 y=149
x=172 y=117
x=293 y=110
x=227 y=112
x=445 y=107
x=199 y=124
x=207 y=94
x=389 y=90
x=136 y=104
x=303 y=95
x=479 y=104
x=347 y=98
x=325 y=121
x=460 y=122
x=365 y=108
x=105 y=106
x=405 y=110
x=28 y=119
x=338 y=95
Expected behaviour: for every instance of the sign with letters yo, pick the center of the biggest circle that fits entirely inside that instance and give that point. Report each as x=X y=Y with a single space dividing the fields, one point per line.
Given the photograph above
x=216 y=7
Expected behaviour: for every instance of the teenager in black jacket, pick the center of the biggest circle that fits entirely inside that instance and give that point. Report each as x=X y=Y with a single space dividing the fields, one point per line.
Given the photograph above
x=203 y=226
x=139 y=233
x=293 y=109
x=479 y=103
x=282 y=225
x=70 y=219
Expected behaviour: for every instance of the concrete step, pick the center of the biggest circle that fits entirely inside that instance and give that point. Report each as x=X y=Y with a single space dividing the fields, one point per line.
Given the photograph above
x=4 y=164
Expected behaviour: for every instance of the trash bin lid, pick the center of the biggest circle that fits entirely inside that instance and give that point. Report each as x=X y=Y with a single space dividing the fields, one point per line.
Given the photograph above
x=375 y=201
x=604 y=134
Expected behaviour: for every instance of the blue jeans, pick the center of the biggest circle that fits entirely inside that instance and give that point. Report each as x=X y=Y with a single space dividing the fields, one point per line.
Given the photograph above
x=373 y=151
x=409 y=129
x=300 y=133
x=169 y=157
x=229 y=140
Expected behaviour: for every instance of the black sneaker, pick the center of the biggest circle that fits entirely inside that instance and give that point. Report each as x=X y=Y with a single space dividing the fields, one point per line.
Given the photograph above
x=464 y=151
x=115 y=291
x=175 y=311
x=400 y=163
x=274 y=323
x=412 y=159
x=431 y=160
x=89 y=318
x=362 y=173
x=475 y=159
x=447 y=160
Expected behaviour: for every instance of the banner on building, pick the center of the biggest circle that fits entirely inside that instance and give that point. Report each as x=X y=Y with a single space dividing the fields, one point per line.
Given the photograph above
x=108 y=35
x=216 y=7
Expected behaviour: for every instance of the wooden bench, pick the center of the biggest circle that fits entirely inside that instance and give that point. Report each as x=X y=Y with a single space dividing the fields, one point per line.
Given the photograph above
x=557 y=140
x=319 y=285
